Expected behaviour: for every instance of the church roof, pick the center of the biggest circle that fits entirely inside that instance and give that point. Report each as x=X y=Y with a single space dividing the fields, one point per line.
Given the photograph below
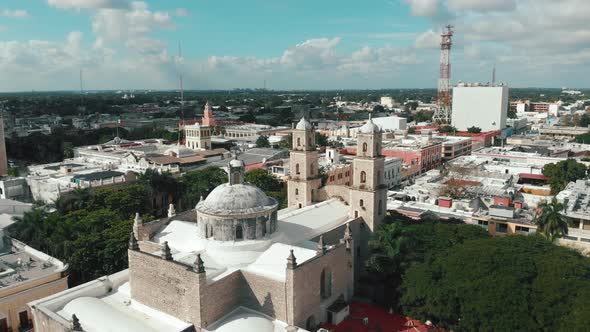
x=237 y=199
x=303 y=124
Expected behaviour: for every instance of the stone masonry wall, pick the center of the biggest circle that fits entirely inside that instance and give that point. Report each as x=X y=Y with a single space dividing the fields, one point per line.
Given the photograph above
x=221 y=297
x=168 y=286
x=264 y=295
x=304 y=281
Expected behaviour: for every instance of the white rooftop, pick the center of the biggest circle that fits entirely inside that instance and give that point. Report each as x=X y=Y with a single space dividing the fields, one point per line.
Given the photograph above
x=247 y=320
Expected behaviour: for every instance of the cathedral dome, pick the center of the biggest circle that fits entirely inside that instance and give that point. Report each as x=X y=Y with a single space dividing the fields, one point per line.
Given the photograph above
x=303 y=124
x=237 y=199
x=369 y=128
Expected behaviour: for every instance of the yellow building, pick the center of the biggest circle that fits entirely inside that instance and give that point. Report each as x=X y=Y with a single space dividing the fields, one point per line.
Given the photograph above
x=26 y=275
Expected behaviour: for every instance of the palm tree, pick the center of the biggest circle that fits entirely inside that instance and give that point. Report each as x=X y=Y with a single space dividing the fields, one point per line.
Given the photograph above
x=550 y=222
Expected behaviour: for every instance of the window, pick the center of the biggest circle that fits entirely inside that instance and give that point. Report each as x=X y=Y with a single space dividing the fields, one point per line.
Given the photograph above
x=296 y=191
x=311 y=167
x=361 y=202
x=356 y=214
x=297 y=169
x=298 y=141
x=23 y=316
x=3 y=325
x=378 y=177
x=364 y=147
x=380 y=207
x=239 y=232
x=363 y=177
x=501 y=228
x=236 y=177
x=326 y=283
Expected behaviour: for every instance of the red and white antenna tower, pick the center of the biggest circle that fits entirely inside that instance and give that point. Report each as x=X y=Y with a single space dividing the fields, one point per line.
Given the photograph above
x=443 y=113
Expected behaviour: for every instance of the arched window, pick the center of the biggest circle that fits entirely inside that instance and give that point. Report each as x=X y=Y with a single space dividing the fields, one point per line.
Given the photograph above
x=298 y=141
x=206 y=230
x=356 y=214
x=364 y=147
x=361 y=202
x=326 y=283
x=236 y=177
x=297 y=169
x=380 y=207
x=239 y=232
x=296 y=191
x=363 y=177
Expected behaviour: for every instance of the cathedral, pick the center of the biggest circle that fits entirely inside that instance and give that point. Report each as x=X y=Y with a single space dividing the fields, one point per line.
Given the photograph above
x=235 y=262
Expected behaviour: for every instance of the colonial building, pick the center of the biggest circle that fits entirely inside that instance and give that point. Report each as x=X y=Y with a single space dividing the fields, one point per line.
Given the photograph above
x=198 y=137
x=237 y=263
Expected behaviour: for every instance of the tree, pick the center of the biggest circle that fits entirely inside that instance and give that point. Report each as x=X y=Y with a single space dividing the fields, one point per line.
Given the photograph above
x=563 y=172
x=287 y=143
x=474 y=130
x=584 y=138
x=262 y=142
x=248 y=117
x=269 y=184
x=584 y=120
x=412 y=130
x=378 y=109
x=423 y=116
x=321 y=139
x=511 y=114
x=550 y=222
x=447 y=129
x=199 y=183
x=400 y=244
x=509 y=283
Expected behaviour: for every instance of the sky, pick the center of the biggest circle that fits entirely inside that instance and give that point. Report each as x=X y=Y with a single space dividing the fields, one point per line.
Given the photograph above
x=289 y=44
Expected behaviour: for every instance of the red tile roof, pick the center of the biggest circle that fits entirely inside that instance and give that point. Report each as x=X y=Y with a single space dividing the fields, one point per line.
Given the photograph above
x=379 y=321
x=533 y=176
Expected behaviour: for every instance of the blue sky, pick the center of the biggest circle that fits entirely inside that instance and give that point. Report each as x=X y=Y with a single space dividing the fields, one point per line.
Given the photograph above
x=302 y=44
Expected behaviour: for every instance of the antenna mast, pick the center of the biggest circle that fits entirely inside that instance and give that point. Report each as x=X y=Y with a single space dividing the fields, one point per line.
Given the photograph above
x=443 y=114
x=494 y=76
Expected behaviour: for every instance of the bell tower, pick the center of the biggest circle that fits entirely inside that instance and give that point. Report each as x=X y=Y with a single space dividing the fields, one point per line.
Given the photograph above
x=198 y=137
x=368 y=192
x=304 y=180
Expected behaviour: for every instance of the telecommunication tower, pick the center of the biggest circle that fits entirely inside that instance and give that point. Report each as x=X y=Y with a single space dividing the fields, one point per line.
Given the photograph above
x=442 y=115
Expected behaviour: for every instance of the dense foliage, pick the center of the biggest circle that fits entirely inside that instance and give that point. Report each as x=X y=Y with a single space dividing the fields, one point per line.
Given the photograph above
x=87 y=230
x=269 y=184
x=401 y=243
x=585 y=138
x=474 y=130
x=513 y=283
x=262 y=142
x=447 y=129
x=563 y=172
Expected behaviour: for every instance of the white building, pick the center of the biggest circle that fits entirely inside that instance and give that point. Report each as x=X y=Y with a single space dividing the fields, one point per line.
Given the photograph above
x=393 y=171
x=391 y=123
x=387 y=102
x=484 y=107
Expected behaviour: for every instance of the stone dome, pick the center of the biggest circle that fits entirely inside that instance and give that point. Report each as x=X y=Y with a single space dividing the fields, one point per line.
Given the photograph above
x=303 y=124
x=236 y=200
x=370 y=128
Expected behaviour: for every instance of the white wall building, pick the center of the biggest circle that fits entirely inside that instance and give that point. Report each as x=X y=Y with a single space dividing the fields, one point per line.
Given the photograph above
x=391 y=123
x=485 y=107
x=393 y=171
x=387 y=102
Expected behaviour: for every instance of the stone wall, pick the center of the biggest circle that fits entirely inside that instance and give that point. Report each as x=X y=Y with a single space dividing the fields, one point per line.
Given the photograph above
x=220 y=297
x=303 y=285
x=334 y=191
x=264 y=295
x=167 y=286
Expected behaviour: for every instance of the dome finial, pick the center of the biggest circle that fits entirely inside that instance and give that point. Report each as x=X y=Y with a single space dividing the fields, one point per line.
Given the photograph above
x=133 y=245
x=199 y=264
x=291 y=261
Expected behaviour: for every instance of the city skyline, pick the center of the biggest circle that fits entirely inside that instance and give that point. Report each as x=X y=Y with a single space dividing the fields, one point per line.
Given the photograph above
x=121 y=44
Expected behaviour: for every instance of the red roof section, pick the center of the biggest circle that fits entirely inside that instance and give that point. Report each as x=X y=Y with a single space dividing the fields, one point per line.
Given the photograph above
x=379 y=321
x=533 y=176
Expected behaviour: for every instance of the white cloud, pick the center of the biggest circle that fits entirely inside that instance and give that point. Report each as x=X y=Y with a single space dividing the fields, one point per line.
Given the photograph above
x=311 y=54
x=428 y=39
x=427 y=8
x=89 y=4
x=481 y=5
x=17 y=13
x=181 y=12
